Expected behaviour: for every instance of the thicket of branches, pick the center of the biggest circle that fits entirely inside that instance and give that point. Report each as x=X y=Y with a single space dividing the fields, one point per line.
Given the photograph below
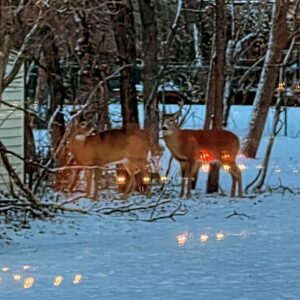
x=212 y=50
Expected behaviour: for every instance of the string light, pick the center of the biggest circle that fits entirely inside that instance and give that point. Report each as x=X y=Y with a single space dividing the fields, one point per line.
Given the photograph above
x=121 y=179
x=146 y=180
x=281 y=86
x=226 y=167
x=297 y=88
x=164 y=179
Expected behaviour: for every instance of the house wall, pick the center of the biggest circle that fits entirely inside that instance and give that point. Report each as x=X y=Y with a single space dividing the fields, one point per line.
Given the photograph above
x=12 y=124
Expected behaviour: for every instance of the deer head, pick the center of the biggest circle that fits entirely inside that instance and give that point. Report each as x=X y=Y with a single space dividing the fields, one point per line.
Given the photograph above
x=170 y=121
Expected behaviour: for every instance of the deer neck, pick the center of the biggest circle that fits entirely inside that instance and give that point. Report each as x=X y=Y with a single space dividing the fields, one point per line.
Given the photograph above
x=171 y=137
x=174 y=143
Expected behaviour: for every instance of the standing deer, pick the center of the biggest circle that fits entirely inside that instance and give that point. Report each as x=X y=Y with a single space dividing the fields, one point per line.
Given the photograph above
x=117 y=146
x=193 y=147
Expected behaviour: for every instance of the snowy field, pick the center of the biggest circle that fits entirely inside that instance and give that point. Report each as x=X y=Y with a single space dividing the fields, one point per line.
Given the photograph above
x=222 y=248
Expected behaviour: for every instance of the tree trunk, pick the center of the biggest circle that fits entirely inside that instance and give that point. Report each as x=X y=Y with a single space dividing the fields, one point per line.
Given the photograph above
x=193 y=25
x=269 y=74
x=150 y=50
x=123 y=25
x=216 y=90
x=5 y=41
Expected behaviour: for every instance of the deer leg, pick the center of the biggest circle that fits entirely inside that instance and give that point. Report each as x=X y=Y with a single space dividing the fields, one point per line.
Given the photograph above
x=92 y=182
x=233 y=186
x=74 y=176
x=236 y=178
x=145 y=173
x=132 y=170
x=191 y=172
x=183 y=166
x=96 y=173
x=88 y=182
x=195 y=175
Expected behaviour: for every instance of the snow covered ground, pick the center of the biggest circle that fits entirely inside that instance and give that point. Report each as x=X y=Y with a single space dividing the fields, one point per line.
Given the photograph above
x=221 y=248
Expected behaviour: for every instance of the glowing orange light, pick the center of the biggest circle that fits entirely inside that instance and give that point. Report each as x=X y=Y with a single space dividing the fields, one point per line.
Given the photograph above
x=226 y=167
x=58 y=280
x=164 y=179
x=182 y=238
x=146 y=180
x=77 y=279
x=225 y=156
x=204 y=155
x=281 y=86
x=121 y=179
x=28 y=282
x=205 y=167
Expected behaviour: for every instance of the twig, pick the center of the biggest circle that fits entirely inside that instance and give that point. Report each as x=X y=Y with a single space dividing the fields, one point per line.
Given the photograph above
x=170 y=216
x=235 y=213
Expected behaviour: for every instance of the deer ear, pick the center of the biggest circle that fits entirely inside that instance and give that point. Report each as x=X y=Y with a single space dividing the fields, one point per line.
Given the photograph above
x=75 y=123
x=177 y=114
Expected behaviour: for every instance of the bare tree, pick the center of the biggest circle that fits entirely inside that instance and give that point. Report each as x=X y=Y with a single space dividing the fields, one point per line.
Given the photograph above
x=123 y=25
x=215 y=87
x=150 y=72
x=264 y=94
x=247 y=24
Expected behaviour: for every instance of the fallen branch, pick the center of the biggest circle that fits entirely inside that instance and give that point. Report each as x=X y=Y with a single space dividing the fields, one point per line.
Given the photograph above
x=235 y=213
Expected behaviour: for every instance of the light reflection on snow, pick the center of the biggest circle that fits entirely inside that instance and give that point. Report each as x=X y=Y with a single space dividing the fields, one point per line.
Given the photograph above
x=204 y=238
x=242 y=167
x=26 y=267
x=182 y=238
x=58 y=280
x=17 y=277
x=220 y=236
x=28 y=282
x=77 y=279
x=185 y=237
x=205 y=167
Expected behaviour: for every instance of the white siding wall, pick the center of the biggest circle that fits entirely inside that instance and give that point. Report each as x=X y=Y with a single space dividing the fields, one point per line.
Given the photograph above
x=12 y=125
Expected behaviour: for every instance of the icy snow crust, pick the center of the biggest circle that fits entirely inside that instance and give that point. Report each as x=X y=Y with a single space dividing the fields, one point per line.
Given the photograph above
x=221 y=248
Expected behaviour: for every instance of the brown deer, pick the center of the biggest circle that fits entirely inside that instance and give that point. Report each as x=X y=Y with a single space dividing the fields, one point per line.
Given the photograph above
x=117 y=146
x=193 y=147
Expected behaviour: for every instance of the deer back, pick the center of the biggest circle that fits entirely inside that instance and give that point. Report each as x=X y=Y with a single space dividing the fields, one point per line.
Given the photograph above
x=108 y=146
